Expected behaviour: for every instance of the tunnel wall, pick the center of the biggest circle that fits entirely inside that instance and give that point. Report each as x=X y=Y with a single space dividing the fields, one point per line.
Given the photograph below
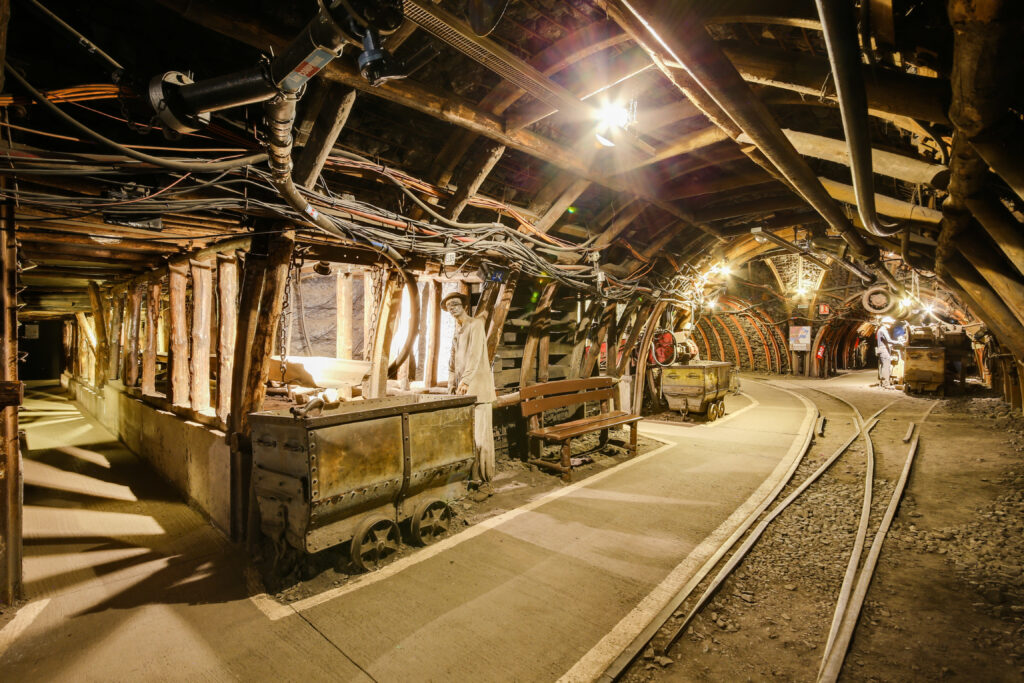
x=194 y=458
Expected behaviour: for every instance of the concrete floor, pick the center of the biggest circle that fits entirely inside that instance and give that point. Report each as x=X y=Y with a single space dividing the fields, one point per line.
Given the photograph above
x=126 y=582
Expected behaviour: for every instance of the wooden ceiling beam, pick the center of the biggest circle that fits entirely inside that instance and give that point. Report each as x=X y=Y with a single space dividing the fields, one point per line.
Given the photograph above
x=748 y=208
x=326 y=128
x=44 y=250
x=796 y=13
x=685 y=188
x=47 y=236
x=563 y=202
x=621 y=68
x=686 y=144
x=889 y=94
x=883 y=163
x=476 y=172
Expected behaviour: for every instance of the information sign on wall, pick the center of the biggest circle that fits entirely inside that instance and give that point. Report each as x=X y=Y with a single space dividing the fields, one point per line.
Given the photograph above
x=799 y=338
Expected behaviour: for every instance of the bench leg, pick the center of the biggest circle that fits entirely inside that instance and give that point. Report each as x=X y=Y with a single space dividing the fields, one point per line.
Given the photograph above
x=632 y=440
x=536 y=448
x=567 y=461
x=604 y=438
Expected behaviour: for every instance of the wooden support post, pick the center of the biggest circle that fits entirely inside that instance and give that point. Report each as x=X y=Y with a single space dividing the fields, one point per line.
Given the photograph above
x=271 y=303
x=99 y=320
x=475 y=172
x=594 y=352
x=177 y=355
x=202 y=313
x=538 y=330
x=370 y=296
x=579 y=346
x=11 y=485
x=153 y=292
x=248 y=314
x=227 y=321
x=433 y=312
x=343 y=328
x=390 y=304
x=636 y=402
x=622 y=364
x=331 y=119
x=114 y=354
x=485 y=306
x=496 y=324
x=131 y=376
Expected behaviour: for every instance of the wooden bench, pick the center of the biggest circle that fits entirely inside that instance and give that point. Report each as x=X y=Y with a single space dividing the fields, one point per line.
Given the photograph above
x=537 y=398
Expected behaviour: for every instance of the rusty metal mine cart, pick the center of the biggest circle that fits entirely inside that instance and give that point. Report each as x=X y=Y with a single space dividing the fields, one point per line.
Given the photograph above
x=698 y=387
x=356 y=472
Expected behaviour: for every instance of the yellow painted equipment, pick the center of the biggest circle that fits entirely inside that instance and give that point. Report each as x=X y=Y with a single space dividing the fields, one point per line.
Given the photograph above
x=924 y=368
x=699 y=387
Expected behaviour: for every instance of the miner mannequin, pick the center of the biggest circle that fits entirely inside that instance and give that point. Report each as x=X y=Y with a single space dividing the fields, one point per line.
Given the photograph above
x=885 y=346
x=470 y=373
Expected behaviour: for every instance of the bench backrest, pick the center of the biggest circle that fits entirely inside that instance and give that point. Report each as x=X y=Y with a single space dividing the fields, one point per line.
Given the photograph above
x=537 y=398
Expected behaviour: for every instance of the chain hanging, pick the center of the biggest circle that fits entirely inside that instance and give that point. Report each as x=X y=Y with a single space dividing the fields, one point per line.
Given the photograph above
x=282 y=323
x=379 y=279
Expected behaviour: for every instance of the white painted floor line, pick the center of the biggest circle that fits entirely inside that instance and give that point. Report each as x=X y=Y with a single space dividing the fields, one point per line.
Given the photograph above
x=694 y=566
x=21 y=621
x=430 y=551
x=472 y=532
x=271 y=608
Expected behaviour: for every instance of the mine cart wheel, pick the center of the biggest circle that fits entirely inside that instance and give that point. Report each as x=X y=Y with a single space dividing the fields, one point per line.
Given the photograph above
x=712 y=412
x=431 y=521
x=721 y=407
x=376 y=539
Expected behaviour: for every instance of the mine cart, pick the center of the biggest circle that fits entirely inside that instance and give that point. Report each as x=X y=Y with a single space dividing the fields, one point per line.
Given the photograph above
x=924 y=368
x=354 y=473
x=698 y=387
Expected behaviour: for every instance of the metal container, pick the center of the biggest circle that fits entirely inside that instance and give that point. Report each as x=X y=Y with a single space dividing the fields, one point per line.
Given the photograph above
x=697 y=386
x=317 y=478
x=924 y=368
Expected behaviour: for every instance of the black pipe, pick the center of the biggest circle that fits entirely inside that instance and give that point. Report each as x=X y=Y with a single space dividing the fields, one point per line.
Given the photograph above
x=838 y=25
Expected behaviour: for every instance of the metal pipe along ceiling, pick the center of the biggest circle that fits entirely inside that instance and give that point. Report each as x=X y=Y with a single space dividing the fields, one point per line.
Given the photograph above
x=839 y=26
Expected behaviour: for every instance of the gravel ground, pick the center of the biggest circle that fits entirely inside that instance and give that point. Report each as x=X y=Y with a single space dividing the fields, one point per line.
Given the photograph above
x=947 y=600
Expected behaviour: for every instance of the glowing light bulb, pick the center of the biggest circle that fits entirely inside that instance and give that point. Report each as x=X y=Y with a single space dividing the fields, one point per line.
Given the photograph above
x=613 y=115
x=906 y=301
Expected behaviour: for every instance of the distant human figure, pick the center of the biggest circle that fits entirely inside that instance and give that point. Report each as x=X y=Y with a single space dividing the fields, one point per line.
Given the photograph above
x=885 y=345
x=469 y=372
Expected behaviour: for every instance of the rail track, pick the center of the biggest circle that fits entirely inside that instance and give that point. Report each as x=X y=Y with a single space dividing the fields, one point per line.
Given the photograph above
x=840 y=414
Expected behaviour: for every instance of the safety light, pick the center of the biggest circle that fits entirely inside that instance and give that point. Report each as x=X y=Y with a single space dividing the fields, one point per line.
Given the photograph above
x=613 y=116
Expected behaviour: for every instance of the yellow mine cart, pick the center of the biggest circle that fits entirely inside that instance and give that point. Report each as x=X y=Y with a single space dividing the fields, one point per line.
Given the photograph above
x=925 y=368
x=699 y=387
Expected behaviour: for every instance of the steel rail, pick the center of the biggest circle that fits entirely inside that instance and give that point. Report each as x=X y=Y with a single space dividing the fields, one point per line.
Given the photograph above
x=617 y=668
x=862 y=526
x=863 y=428
x=834 y=656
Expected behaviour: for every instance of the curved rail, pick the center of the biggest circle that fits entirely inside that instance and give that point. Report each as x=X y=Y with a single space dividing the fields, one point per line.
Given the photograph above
x=855 y=585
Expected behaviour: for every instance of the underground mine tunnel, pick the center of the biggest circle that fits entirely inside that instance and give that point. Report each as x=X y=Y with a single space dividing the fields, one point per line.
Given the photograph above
x=512 y=340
